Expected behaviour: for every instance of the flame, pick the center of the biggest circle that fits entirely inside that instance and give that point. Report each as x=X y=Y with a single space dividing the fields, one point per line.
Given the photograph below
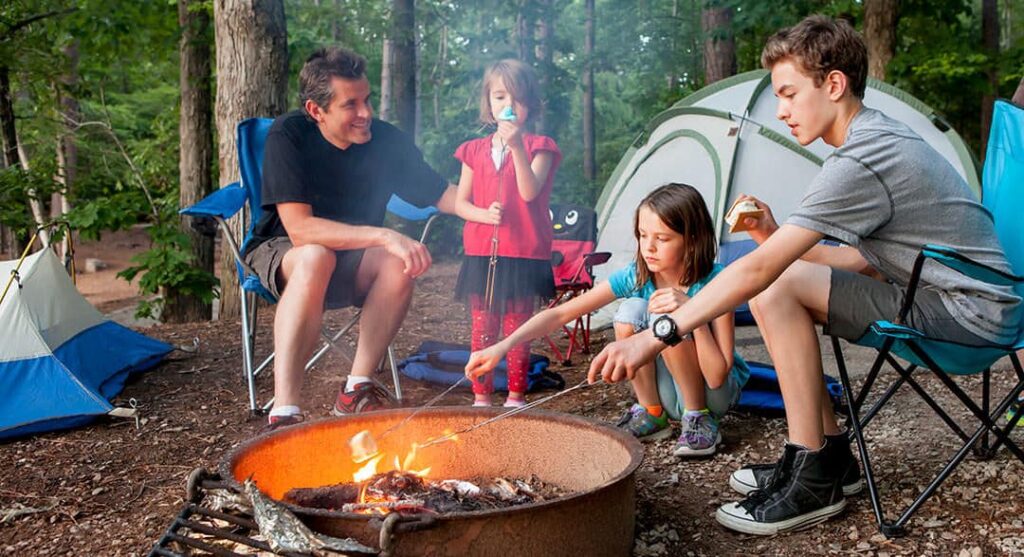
x=368 y=470
x=405 y=464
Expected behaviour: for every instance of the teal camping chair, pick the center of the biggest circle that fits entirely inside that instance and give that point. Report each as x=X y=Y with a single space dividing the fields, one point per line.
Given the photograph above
x=226 y=202
x=1003 y=195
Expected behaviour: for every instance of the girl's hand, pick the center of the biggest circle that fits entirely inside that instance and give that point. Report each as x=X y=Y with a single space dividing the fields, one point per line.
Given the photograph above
x=483 y=361
x=666 y=300
x=493 y=214
x=764 y=226
x=510 y=133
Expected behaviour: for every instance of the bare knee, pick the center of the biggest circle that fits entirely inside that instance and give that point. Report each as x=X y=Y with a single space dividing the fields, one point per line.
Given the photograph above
x=379 y=270
x=308 y=265
x=623 y=330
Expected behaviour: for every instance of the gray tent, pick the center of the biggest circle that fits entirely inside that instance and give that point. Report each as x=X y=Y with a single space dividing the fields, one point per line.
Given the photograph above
x=725 y=140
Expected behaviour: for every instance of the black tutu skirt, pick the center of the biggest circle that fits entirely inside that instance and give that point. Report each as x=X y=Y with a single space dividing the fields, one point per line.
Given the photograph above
x=514 y=278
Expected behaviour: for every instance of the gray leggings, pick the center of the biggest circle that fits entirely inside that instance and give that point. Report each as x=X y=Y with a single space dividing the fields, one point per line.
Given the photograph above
x=633 y=311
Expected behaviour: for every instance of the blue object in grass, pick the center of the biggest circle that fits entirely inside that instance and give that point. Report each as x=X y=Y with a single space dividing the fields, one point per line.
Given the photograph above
x=507 y=114
x=443 y=364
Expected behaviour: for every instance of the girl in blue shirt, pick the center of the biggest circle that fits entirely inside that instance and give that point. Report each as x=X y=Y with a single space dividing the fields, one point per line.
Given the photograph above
x=697 y=380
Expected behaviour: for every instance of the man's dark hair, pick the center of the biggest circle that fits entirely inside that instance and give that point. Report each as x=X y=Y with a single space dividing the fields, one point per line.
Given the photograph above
x=323 y=65
x=820 y=44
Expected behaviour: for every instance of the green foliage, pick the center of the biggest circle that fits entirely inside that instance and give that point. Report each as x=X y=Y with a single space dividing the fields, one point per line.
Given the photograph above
x=648 y=55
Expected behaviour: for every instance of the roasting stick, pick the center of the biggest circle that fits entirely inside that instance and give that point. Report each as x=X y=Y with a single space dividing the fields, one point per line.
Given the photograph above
x=363 y=444
x=492 y=264
x=512 y=412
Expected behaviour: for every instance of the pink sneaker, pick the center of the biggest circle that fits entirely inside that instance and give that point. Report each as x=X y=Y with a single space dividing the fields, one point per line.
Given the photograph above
x=514 y=402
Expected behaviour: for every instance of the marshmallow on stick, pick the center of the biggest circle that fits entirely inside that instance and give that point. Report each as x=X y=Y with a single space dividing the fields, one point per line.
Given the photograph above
x=741 y=210
x=363 y=446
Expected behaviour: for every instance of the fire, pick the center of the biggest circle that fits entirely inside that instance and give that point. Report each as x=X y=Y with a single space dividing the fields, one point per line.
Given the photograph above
x=406 y=464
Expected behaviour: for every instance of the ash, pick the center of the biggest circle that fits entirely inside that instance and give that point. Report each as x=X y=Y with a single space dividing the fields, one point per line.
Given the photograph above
x=408 y=493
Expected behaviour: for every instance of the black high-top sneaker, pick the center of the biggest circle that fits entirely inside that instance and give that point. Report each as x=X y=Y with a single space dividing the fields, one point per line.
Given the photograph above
x=804 y=492
x=757 y=476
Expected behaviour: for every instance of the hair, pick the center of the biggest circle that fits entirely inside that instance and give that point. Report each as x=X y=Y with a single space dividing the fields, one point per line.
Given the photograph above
x=521 y=82
x=681 y=208
x=322 y=66
x=819 y=45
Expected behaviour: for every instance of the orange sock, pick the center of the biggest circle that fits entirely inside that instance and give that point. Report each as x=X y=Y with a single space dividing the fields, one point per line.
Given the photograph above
x=654 y=410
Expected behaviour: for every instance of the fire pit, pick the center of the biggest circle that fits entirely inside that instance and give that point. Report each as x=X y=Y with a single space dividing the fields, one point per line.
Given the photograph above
x=593 y=463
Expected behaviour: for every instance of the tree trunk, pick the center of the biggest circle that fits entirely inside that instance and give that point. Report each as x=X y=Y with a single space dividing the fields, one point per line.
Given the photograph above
x=525 y=20
x=386 y=66
x=880 y=19
x=195 y=165
x=7 y=127
x=67 y=148
x=544 y=49
x=1018 y=95
x=252 y=80
x=403 y=71
x=589 y=135
x=990 y=41
x=719 y=45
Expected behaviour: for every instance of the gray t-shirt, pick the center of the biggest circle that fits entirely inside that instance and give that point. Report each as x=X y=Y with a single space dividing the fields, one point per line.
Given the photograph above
x=887 y=193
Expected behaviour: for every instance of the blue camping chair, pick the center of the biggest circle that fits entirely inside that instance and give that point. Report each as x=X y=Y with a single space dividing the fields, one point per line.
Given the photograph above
x=1003 y=195
x=229 y=200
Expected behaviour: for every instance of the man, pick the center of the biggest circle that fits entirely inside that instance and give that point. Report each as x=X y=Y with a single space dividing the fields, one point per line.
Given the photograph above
x=329 y=170
x=885 y=193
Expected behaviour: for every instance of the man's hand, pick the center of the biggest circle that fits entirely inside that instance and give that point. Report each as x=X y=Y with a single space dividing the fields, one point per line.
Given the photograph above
x=622 y=358
x=483 y=361
x=413 y=254
x=666 y=300
x=763 y=227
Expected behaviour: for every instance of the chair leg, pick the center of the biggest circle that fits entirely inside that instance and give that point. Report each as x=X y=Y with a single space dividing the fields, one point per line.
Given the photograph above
x=247 y=349
x=889 y=529
x=981 y=450
x=395 y=377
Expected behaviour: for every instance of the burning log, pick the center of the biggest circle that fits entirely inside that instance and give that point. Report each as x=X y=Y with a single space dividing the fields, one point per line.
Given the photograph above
x=409 y=493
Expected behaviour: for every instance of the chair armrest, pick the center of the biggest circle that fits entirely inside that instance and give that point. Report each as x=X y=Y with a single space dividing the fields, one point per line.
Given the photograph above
x=958 y=262
x=596 y=258
x=968 y=267
x=224 y=203
x=901 y=332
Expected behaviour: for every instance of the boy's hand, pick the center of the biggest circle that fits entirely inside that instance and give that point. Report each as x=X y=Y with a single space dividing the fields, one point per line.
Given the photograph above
x=493 y=213
x=622 y=358
x=666 y=300
x=483 y=361
x=763 y=227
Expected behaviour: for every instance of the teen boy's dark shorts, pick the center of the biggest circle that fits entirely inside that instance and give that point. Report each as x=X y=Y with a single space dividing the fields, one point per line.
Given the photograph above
x=856 y=301
x=265 y=259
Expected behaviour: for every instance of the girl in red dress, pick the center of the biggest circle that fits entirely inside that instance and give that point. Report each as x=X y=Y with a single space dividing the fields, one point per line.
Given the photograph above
x=503 y=195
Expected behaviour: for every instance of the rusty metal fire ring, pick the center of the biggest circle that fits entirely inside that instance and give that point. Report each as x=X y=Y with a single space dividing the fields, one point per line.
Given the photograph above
x=594 y=461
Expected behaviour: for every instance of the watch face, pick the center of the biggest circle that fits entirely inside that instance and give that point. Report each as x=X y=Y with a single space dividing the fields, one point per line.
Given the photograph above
x=662 y=327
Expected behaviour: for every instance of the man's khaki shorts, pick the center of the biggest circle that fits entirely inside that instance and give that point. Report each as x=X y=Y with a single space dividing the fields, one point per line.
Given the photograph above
x=265 y=259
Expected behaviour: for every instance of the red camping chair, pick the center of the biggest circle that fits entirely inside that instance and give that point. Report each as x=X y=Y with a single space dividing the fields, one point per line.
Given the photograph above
x=573 y=260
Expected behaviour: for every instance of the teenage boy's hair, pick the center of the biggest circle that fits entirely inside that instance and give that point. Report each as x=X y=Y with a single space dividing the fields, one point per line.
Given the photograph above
x=820 y=44
x=323 y=65
x=681 y=208
x=521 y=82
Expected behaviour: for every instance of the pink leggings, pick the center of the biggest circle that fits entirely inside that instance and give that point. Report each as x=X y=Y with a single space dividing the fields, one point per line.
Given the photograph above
x=485 y=333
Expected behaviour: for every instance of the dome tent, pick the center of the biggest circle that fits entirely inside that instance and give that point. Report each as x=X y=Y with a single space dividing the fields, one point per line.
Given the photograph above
x=61 y=361
x=725 y=141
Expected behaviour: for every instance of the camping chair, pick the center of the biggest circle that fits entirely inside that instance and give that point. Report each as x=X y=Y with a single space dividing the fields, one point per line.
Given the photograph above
x=573 y=260
x=226 y=202
x=1003 y=194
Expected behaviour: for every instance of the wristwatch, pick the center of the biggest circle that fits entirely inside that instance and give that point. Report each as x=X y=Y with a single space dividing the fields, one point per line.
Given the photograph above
x=664 y=329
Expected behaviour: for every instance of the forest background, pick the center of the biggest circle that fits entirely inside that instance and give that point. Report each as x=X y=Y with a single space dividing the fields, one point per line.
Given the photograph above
x=116 y=113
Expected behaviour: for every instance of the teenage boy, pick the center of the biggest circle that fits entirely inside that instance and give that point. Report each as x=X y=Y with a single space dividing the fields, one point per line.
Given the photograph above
x=885 y=193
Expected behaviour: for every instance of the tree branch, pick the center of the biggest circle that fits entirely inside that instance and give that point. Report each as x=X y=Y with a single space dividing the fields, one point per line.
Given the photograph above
x=18 y=25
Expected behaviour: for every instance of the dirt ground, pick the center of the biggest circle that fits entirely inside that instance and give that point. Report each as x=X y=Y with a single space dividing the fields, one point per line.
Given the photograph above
x=112 y=488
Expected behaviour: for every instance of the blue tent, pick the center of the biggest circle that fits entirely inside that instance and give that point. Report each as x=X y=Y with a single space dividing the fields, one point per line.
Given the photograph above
x=61 y=361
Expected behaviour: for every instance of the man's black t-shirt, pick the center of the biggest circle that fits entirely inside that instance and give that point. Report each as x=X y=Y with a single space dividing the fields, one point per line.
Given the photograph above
x=352 y=186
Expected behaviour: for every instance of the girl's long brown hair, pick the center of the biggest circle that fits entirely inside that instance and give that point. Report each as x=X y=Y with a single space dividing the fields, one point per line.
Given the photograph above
x=681 y=208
